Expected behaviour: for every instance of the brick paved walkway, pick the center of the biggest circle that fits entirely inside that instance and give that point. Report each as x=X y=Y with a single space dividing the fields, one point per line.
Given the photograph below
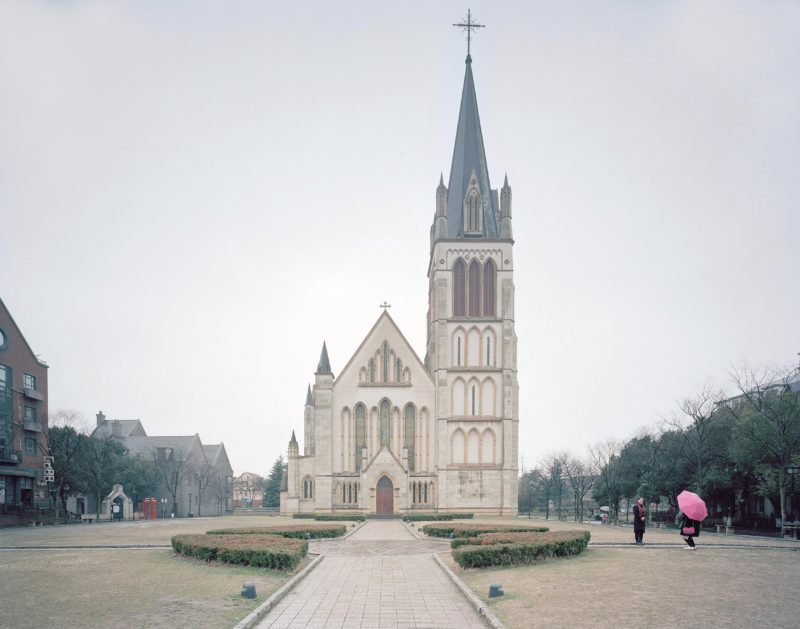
x=379 y=577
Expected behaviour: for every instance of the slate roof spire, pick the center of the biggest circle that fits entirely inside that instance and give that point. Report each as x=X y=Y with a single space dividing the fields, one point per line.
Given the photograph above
x=469 y=168
x=324 y=365
x=309 y=399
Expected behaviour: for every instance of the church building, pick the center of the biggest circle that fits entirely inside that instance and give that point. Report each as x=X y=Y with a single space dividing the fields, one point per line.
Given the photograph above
x=393 y=434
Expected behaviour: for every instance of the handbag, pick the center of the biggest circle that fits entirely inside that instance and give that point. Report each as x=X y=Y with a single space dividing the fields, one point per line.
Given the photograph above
x=688 y=530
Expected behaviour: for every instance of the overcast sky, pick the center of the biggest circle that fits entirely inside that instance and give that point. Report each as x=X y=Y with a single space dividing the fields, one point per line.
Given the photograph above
x=194 y=195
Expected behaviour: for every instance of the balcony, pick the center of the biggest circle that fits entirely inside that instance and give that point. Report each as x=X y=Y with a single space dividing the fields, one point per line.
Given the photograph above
x=32 y=424
x=10 y=456
x=33 y=394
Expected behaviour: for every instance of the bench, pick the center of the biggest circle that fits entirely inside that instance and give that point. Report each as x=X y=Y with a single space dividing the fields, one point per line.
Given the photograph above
x=728 y=529
x=35 y=523
x=88 y=517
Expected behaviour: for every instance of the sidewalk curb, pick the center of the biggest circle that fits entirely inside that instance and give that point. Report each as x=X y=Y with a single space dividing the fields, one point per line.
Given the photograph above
x=476 y=603
x=262 y=610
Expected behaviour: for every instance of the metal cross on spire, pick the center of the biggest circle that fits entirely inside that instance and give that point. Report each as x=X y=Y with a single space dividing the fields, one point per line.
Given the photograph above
x=469 y=26
x=386 y=305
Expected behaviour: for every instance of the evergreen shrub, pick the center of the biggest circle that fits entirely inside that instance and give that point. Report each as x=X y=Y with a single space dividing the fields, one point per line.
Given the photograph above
x=306 y=531
x=506 y=549
x=473 y=529
x=262 y=551
x=343 y=517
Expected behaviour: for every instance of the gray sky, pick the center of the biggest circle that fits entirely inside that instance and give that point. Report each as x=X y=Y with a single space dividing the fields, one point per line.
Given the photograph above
x=193 y=195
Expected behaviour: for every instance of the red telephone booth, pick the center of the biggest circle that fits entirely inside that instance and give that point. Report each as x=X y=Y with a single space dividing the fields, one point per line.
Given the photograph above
x=146 y=508
x=153 y=509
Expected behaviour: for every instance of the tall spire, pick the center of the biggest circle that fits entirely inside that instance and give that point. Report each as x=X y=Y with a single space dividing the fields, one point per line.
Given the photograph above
x=324 y=365
x=469 y=172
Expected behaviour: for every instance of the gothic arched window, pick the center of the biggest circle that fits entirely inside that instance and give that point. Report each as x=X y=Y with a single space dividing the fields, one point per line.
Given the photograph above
x=386 y=424
x=385 y=374
x=474 y=289
x=371 y=371
x=361 y=434
x=459 y=289
x=410 y=435
x=489 y=292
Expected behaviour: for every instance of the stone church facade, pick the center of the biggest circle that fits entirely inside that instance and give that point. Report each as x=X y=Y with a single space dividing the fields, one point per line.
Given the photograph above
x=393 y=434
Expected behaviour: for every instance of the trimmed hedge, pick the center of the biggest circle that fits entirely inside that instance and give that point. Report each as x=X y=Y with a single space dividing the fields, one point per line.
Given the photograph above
x=306 y=531
x=331 y=517
x=262 y=551
x=473 y=529
x=512 y=537
x=436 y=517
x=344 y=517
x=476 y=554
x=427 y=517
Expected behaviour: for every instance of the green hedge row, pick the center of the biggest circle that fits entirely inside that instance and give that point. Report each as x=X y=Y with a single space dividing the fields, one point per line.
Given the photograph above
x=436 y=517
x=473 y=529
x=512 y=537
x=262 y=551
x=427 y=517
x=478 y=555
x=307 y=531
x=331 y=517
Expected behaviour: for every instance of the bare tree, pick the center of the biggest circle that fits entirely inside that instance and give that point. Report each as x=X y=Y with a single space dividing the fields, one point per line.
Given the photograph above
x=698 y=442
x=174 y=468
x=552 y=483
x=768 y=414
x=606 y=465
x=579 y=478
x=202 y=476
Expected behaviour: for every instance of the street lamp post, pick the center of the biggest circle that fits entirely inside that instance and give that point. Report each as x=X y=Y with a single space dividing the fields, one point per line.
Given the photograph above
x=163 y=508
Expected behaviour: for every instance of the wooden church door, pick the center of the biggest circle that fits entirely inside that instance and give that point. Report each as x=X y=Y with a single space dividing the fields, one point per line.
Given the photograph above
x=384 y=495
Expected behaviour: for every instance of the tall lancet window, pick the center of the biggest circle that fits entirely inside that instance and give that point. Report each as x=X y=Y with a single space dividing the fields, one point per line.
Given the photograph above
x=361 y=434
x=459 y=289
x=386 y=424
x=410 y=435
x=474 y=289
x=489 y=292
x=385 y=374
x=472 y=211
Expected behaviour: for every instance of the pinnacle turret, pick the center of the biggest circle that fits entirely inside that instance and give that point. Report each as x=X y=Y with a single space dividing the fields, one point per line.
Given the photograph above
x=324 y=366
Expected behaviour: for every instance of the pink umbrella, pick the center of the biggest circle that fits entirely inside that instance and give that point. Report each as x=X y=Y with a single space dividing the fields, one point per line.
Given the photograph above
x=692 y=505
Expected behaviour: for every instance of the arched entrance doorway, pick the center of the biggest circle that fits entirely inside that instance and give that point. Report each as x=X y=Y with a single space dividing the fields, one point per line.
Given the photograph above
x=384 y=496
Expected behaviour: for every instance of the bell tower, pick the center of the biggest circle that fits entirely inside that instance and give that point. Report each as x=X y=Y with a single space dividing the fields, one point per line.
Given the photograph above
x=472 y=344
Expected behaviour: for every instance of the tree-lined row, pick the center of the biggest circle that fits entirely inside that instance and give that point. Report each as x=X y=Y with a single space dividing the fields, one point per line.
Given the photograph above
x=729 y=448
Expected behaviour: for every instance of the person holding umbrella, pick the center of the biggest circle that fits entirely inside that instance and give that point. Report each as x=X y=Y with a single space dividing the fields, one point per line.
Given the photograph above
x=692 y=512
x=639 y=517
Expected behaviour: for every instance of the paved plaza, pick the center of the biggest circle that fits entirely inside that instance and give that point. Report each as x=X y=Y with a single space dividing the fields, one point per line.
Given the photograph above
x=362 y=583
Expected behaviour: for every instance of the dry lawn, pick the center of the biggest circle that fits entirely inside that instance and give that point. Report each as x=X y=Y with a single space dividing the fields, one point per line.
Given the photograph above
x=125 y=587
x=728 y=582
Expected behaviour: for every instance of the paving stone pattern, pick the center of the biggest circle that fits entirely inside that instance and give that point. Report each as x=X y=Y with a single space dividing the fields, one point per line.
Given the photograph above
x=381 y=576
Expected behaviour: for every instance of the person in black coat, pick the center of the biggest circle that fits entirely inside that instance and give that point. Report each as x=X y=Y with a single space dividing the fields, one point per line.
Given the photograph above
x=689 y=529
x=639 y=517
